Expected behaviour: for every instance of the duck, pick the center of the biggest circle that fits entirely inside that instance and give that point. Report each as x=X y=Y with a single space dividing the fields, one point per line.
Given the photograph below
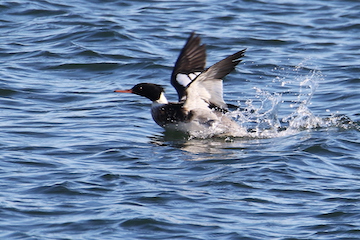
x=200 y=104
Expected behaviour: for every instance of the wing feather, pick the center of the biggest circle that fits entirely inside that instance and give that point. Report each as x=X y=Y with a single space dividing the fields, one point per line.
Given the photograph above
x=207 y=88
x=192 y=60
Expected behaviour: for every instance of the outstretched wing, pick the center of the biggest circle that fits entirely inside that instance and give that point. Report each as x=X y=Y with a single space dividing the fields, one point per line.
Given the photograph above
x=207 y=89
x=190 y=63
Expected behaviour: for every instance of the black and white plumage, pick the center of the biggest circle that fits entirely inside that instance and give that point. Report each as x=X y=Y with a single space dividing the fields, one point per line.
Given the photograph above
x=190 y=63
x=200 y=91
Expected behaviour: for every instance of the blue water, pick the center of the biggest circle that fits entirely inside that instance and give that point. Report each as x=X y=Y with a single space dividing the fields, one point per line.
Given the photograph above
x=79 y=161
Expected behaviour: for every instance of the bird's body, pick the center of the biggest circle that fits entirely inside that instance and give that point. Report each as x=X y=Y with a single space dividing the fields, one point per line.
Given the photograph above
x=200 y=92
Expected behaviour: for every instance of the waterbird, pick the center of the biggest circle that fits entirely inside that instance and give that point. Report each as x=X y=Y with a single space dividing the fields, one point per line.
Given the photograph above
x=200 y=103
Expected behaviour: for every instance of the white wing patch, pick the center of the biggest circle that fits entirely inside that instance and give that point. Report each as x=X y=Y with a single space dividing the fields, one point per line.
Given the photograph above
x=193 y=75
x=197 y=97
x=184 y=79
x=203 y=91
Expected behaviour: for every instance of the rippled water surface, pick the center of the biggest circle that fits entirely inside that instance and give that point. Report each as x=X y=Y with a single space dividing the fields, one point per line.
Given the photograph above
x=79 y=161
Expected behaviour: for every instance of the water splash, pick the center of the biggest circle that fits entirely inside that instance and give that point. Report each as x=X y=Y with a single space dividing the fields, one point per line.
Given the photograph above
x=270 y=115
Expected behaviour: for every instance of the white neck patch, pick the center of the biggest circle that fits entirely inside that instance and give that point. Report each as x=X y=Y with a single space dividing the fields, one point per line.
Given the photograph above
x=162 y=99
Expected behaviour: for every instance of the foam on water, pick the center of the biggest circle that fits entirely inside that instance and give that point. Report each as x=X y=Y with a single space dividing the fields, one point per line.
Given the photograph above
x=277 y=114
